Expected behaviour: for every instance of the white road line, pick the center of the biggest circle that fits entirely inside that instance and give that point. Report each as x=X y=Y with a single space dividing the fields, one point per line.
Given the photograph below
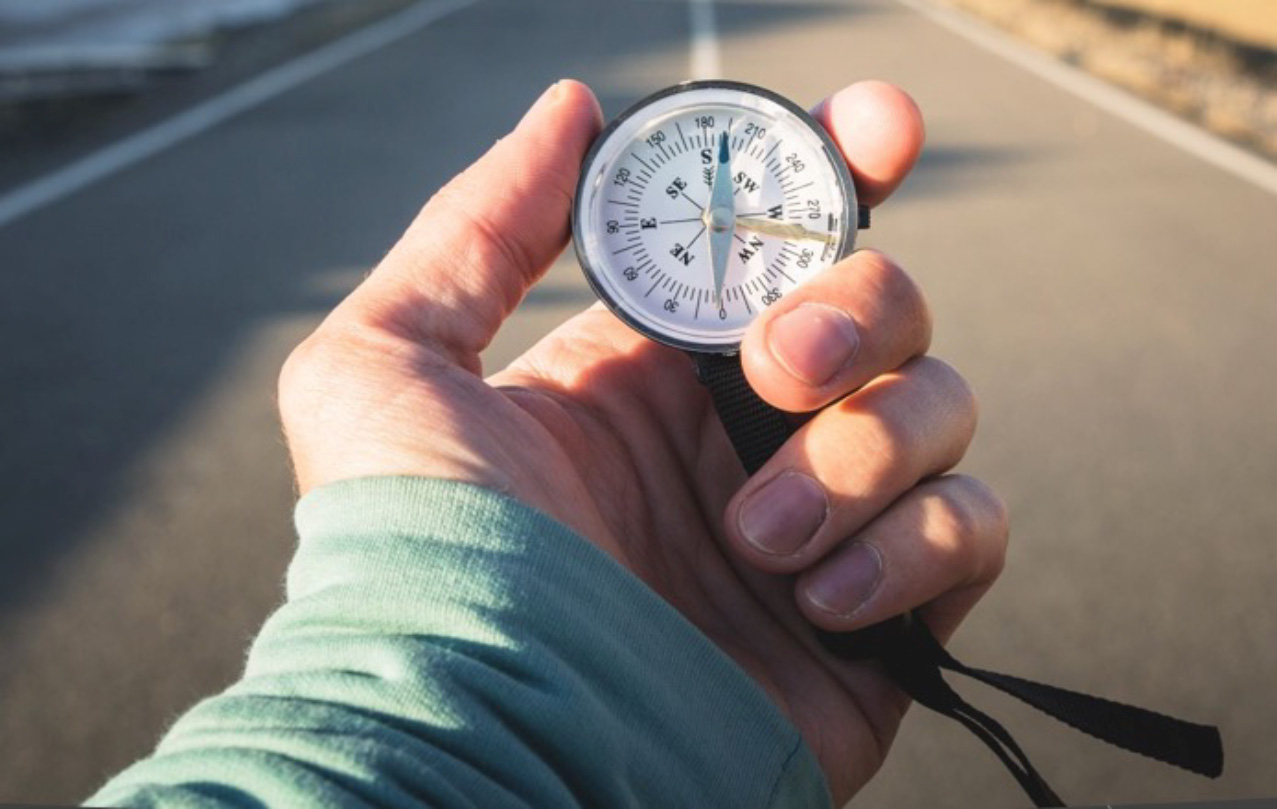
x=706 y=63
x=134 y=149
x=1238 y=162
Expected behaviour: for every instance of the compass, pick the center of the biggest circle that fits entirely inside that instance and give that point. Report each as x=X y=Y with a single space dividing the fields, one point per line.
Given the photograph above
x=706 y=203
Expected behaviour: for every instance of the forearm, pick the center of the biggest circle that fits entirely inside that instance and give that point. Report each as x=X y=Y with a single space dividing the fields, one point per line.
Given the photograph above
x=442 y=645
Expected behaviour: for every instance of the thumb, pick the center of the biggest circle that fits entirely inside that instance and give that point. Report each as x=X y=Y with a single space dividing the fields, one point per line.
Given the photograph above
x=476 y=247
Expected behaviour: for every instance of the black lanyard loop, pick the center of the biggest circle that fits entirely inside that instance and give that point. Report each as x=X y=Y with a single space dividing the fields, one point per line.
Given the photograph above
x=915 y=660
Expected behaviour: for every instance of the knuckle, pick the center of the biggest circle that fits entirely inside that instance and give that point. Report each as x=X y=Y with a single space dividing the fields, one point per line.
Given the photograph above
x=300 y=373
x=902 y=298
x=978 y=524
x=328 y=363
x=931 y=412
x=954 y=395
x=493 y=245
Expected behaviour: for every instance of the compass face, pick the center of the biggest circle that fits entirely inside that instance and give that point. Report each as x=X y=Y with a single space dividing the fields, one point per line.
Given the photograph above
x=705 y=204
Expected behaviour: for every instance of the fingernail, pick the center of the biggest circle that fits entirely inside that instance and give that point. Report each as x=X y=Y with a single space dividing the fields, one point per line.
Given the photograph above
x=814 y=342
x=784 y=514
x=848 y=583
x=547 y=99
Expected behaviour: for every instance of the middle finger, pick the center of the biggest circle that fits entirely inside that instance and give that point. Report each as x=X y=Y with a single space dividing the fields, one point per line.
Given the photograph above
x=851 y=461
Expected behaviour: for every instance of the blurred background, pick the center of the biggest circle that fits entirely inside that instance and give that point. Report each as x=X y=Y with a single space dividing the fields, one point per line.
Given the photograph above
x=187 y=186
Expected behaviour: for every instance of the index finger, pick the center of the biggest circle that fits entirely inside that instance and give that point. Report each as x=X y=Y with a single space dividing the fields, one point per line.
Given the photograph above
x=879 y=129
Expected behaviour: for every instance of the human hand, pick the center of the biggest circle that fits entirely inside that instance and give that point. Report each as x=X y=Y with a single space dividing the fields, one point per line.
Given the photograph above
x=612 y=435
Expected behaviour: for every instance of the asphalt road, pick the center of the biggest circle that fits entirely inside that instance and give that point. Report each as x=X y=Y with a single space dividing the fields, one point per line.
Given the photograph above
x=1110 y=297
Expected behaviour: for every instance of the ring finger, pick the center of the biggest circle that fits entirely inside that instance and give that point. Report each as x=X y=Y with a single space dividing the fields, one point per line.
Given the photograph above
x=942 y=544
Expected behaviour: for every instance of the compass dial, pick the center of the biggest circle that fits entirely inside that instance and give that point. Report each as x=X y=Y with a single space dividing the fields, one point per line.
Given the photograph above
x=706 y=203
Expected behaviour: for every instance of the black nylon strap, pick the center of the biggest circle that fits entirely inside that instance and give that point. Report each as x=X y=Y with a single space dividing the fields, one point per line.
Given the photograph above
x=914 y=658
x=756 y=429
x=1196 y=748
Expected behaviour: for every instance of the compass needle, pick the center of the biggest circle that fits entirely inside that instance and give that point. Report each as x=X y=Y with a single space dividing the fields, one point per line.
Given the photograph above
x=720 y=216
x=785 y=230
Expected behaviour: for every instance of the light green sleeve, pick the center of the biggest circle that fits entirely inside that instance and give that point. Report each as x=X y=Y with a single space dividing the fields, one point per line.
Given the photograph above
x=443 y=645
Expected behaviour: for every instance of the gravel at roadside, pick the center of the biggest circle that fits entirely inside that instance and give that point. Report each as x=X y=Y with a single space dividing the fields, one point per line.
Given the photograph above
x=1224 y=85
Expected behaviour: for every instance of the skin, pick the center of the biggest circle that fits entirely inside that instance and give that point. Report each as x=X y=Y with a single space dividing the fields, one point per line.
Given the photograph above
x=611 y=434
